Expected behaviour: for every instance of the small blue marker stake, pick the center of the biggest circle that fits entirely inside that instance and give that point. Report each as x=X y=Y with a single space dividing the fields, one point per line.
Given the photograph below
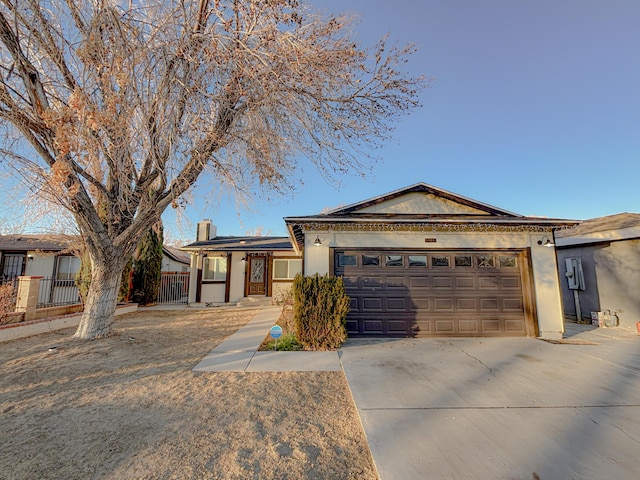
x=276 y=333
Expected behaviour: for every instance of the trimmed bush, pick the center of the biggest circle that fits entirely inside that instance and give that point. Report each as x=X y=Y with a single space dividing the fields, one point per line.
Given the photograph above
x=320 y=307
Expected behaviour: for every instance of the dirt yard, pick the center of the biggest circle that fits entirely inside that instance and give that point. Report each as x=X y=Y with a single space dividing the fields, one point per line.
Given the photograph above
x=129 y=406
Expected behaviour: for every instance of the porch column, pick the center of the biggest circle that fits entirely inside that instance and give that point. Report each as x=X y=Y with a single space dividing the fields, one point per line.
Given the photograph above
x=28 y=288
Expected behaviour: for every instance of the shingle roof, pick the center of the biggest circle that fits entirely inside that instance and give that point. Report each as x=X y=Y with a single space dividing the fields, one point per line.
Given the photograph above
x=618 y=221
x=51 y=243
x=175 y=254
x=248 y=244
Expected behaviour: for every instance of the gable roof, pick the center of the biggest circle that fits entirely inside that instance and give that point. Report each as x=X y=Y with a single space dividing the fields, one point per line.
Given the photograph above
x=472 y=206
x=241 y=244
x=419 y=206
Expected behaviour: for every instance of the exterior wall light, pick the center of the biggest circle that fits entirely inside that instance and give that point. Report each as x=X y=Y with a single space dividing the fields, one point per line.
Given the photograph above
x=546 y=242
x=317 y=241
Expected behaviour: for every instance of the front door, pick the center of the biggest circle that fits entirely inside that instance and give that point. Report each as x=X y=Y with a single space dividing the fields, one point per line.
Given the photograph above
x=257 y=281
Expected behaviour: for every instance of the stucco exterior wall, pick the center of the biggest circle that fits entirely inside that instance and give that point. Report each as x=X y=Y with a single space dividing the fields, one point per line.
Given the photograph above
x=170 y=265
x=236 y=291
x=618 y=275
x=41 y=265
x=543 y=260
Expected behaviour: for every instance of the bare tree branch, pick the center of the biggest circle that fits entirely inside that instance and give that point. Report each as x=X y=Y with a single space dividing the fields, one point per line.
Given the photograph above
x=124 y=105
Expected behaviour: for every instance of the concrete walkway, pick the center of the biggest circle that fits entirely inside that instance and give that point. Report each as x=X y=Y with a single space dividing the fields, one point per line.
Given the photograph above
x=238 y=352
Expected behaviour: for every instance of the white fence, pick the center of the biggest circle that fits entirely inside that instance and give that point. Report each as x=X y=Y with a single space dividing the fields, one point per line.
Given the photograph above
x=174 y=288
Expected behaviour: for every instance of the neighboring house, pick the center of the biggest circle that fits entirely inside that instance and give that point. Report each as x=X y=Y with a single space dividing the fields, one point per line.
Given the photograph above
x=424 y=261
x=230 y=269
x=38 y=255
x=599 y=266
x=174 y=260
x=50 y=257
x=46 y=256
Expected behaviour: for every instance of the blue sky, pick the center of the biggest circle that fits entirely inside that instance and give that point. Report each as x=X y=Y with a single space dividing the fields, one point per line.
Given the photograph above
x=535 y=108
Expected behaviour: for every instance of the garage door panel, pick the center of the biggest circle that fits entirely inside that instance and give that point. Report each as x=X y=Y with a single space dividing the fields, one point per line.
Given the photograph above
x=418 y=303
x=372 y=303
x=350 y=281
x=443 y=305
x=442 y=282
x=444 y=293
x=488 y=304
x=465 y=283
x=490 y=325
x=512 y=304
x=468 y=327
x=398 y=326
x=488 y=283
x=395 y=282
x=372 y=282
x=510 y=283
x=355 y=303
x=418 y=282
x=373 y=326
x=466 y=304
x=397 y=303
x=444 y=327
x=515 y=325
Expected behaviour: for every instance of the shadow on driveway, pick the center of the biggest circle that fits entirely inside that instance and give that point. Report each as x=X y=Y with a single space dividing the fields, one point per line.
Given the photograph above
x=499 y=408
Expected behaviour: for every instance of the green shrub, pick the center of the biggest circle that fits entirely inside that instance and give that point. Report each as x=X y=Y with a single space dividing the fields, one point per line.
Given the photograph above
x=286 y=343
x=320 y=307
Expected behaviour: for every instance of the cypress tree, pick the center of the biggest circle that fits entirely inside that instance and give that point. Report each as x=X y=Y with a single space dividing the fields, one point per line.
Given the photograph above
x=147 y=265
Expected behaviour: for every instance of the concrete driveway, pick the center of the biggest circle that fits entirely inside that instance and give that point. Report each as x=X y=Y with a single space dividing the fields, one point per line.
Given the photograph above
x=500 y=408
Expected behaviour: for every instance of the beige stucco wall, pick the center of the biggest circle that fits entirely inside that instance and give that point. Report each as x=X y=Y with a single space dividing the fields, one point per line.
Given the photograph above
x=618 y=277
x=41 y=265
x=170 y=265
x=546 y=287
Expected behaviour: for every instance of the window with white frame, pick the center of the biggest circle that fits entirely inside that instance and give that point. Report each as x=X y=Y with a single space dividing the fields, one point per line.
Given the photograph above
x=67 y=268
x=286 y=268
x=214 y=268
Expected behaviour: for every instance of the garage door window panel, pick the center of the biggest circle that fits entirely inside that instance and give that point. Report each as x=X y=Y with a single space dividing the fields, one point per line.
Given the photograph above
x=483 y=261
x=439 y=261
x=370 y=260
x=394 y=261
x=345 y=260
x=417 y=260
x=463 y=261
x=509 y=261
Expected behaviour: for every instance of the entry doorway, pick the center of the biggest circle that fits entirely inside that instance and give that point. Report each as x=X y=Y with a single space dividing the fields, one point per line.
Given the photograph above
x=257 y=275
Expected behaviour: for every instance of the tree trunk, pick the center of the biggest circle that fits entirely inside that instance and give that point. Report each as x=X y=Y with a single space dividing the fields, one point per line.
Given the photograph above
x=100 y=305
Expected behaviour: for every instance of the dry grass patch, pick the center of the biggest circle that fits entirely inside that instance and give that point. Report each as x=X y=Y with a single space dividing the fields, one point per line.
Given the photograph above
x=129 y=406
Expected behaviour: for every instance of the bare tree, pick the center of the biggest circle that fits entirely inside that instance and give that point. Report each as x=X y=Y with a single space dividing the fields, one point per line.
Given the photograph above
x=114 y=108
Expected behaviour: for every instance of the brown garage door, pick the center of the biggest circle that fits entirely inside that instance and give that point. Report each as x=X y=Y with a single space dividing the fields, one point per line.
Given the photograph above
x=446 y=293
